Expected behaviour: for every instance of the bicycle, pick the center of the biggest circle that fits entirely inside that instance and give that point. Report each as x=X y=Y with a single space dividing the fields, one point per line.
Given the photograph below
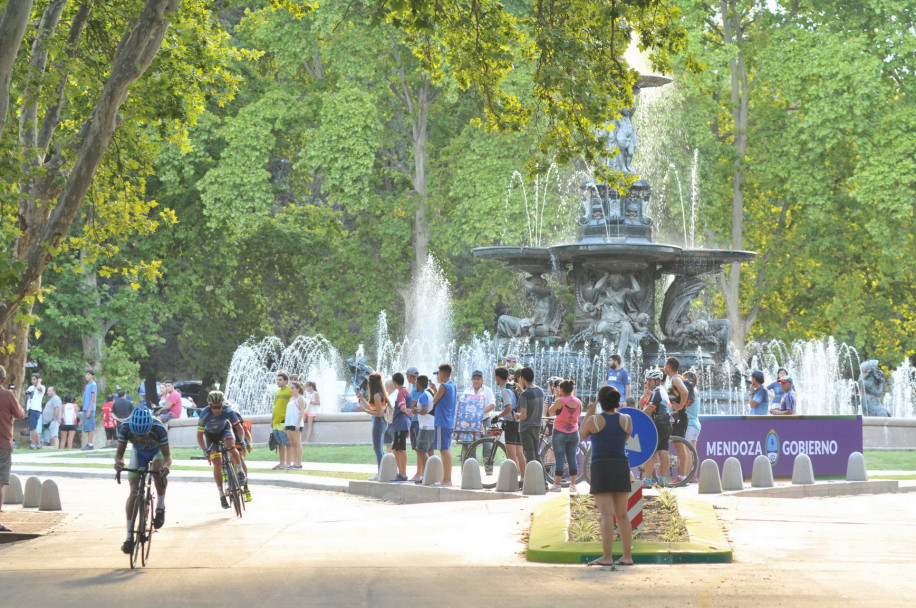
x=141 y=519
x=493 y=454
x=231 y=486
x=546 y=455
x=674 y=462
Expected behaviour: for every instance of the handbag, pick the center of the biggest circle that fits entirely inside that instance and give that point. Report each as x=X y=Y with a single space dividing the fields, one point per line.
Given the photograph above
x=272 y=442
x=389 y=414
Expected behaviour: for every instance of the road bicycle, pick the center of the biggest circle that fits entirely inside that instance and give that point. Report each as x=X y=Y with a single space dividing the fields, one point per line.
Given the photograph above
x=233 y=490
x=546 y=455
x=141 y=519
x=679 y=450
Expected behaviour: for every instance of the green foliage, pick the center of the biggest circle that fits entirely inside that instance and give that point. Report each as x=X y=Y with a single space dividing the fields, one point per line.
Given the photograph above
x=119 y=369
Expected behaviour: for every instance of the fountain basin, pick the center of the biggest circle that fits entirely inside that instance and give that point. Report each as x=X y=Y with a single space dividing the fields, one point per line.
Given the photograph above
x=327 y=428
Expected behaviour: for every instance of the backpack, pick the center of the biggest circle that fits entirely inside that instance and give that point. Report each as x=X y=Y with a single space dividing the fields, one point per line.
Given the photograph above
x=691 y=393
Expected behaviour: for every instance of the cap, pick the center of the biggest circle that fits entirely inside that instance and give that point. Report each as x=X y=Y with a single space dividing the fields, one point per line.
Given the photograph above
x=757 y=375
x=36 y=375
x=786 y=379
x=412 y=371
x=511 y=357
x=476 y=372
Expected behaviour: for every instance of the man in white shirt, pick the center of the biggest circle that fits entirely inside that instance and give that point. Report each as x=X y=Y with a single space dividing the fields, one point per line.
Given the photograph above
x=478 y=389
x=33 y=407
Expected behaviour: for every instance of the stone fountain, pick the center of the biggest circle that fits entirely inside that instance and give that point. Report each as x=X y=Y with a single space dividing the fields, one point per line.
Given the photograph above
x=613 y=270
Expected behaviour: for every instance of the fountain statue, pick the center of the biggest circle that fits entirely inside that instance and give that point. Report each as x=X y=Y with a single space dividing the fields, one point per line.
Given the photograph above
x=544 y=321
x=871 y=383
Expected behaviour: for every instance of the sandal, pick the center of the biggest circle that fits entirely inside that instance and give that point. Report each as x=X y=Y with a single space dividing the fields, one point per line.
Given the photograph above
x=4 y=528
x=279 y=466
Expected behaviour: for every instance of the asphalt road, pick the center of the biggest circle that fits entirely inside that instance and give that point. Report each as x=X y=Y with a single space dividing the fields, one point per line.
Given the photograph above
x=310 y=548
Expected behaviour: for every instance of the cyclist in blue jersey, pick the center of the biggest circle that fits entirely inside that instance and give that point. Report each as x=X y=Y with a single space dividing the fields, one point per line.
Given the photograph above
x=150 y=442
x=214 y=427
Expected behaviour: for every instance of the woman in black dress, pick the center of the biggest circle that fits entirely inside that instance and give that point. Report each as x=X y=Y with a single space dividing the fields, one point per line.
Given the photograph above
x=610 y=479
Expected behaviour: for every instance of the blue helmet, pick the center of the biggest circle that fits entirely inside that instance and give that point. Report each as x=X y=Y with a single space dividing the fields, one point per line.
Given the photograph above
x=140 y=421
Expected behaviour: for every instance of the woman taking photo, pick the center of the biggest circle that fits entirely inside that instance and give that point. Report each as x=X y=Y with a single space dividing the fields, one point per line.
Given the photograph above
x=375 y=407
x=610 y=483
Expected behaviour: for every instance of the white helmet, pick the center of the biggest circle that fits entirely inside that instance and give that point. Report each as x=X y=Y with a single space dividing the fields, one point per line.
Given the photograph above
x=655 y=374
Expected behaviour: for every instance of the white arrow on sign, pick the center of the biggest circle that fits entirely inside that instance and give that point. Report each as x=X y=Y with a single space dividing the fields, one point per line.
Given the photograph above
x=633 y=444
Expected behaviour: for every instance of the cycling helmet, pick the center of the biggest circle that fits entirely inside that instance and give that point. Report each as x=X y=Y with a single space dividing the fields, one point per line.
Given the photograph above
x=655 y=374
x=140 y=421
x=215 y=397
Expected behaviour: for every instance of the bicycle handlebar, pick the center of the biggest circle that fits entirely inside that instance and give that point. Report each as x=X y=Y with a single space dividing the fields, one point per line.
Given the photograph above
x=129 y=470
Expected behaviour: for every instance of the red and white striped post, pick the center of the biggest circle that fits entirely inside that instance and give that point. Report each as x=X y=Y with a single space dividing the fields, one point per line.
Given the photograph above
x=634 y=505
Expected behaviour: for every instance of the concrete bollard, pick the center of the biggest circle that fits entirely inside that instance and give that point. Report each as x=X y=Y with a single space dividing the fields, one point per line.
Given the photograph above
x=855 y=467
x=387 y=468
x=762 y=475
x=434 y=471
x=470 y=475
x=508 y=477
x=534 y=484
x=732 y=475
x=31 y=497
x=710 y=482
x=13 y=493
x=50 y=496
x=802 y=470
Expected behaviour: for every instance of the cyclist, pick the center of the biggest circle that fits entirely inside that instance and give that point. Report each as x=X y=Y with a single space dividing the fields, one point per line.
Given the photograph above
x=219 y=424
x=150 y=442
x=658 y=408
x=243 y=445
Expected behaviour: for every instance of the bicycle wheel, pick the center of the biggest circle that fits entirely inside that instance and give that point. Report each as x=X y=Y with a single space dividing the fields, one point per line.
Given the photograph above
x=235 y=491
x=583 y=465
x=683 y=461
x=148 y=528
x=492 y=454
x=139 y=526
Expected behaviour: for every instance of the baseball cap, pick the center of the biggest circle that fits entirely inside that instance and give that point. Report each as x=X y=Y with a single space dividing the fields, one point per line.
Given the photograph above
x=476 y=372
x=757 y=375
x=412 y=371
x=787 y=379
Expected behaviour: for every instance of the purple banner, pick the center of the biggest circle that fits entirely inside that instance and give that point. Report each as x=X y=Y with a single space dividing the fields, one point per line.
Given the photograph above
x=827 y=440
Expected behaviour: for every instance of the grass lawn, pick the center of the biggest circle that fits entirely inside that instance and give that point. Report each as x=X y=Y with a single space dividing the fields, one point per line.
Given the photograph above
x=879 y=460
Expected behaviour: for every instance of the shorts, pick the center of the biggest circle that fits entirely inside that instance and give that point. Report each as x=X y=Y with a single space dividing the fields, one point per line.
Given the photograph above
x=140 y=458
x=6 y=463
x=213 y=440
x=610 y=476
x=692 y=434
x=290 y=428
x=426 y=438
x=89 y=421
x=400 y=441
x=679 y=429
x=34 y=420
x=664 y=435
x=311 y=414
x=280 y=437
x=110 y=433
x=53 y=428
x=511 y=431
x=414 y=429
x=68 y=427
x=442 y=439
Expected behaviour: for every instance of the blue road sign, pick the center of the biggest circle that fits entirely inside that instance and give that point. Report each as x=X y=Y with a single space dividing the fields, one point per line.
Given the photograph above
x=644 y=438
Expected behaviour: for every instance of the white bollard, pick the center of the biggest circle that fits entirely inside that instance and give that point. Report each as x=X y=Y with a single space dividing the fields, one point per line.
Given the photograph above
x=50 y=496
x=13 y=493
x=732 y=475
x=534 y=484
x=762 y=475
x=387 y=468
x=31 y=497
x=470 y=475
x=710 y=482
x=802 y=470
x=855 y=468
x=434 y=471
x=508 y=477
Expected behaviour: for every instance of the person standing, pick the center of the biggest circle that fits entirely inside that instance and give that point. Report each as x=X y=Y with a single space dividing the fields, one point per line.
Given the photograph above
x=445 y=404
x=426 y=435
x=512 y=363
x=108 y=422
x=610 y=473
x=296 y=409
x=776 y=387
x=658 y=409
x=530 y=413
x=375 y=406
x=36 y=393
x=477 y=388
x=281 y=397
x=9 y=410
x=760 y=399
x=50 y=416
x=121 y=409
x=69 y=420
x=312 y=406
x=400 y=425
x=679 y=400
x=565 y=437
x=618 y=377
x=506 y=405
x=787 y=405
x=411 y=375
x=693 y=414
x=90 y=393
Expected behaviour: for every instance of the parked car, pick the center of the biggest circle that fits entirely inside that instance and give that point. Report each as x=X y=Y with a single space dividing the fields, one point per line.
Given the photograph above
x=193 y=390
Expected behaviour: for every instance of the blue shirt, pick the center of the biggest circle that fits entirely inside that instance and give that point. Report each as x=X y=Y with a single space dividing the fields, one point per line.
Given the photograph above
x=401 y=421
x=776 y=387
x=156 y=438
x=619 y=379
x=88 y=401
x=762 y=397
x=217 y=423
x=693 y=413
x=414 y=397
x=445 y=407
x=788 y=401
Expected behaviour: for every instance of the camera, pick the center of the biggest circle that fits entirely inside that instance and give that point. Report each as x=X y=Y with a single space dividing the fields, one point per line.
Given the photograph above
x=509 y=385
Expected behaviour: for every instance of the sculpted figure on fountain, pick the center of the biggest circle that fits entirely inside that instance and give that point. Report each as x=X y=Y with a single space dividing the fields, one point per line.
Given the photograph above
x=871 y=388
x=547 y=313
x=608 y=309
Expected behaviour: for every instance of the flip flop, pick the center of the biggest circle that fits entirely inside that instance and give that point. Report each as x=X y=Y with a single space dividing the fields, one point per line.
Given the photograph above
x=620 y=562
x=598 y=563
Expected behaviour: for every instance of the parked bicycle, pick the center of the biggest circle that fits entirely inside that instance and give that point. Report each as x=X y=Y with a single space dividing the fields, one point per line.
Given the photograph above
x=141 y=520
x=679 y=450
x=490 y=452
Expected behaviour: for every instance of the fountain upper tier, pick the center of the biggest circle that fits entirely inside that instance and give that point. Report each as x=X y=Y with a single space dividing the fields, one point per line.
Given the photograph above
x=615 y=257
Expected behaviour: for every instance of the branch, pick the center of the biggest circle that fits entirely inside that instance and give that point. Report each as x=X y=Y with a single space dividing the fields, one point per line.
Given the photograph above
x=38 y=62
x=12 y=28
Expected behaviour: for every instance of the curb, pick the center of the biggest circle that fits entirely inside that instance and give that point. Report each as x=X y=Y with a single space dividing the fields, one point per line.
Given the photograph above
x=410 y=493
x=708 y=545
